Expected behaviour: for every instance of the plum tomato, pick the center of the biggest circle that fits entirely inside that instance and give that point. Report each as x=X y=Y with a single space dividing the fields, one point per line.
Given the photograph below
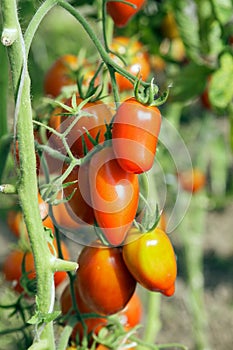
x=136 y=59
x=79 y=205
x=131 y=315
x=135 y=134
x=114 y=195
x=93 y=324
x=60 y=74
x=192 y=180
x=151 y=260
x=121 y=13
x=98 y=115
x=104 y=282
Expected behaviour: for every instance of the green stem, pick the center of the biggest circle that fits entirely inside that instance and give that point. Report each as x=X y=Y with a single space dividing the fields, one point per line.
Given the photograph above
x=27 y=179
x=191 y=233
x=153 y=323
x=4 y=91
x=5 y=143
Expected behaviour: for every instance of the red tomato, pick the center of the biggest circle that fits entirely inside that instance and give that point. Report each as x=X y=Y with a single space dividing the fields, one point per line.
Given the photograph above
x=192 y=180
x=93 y=324
x=121 y=13
x=12 y=266
x=135 y=57
x=135 y=135
x=151 y=260
x=94 y=124
x=103 y=280
x=131 y=315
x=114 y=195
x=60 y=74
x=79 y=205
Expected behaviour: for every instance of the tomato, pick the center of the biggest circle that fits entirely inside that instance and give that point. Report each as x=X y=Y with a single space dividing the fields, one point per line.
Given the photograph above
x=12 y=266
x=135 y=135
x=121 y=13
x=192 y=180
x=135 y=57
x=169 y=26
x=114 y=195
x=151 y=260
x=79 y=205
x=94 y=124
x=94 y=324
x=103 y=280
x=131 y=315
x=60 y=74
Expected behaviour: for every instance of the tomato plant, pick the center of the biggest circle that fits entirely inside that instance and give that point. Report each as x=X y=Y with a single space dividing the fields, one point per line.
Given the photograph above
x=135 y=135
x=104 y=266
x=151 y=260
x=114 y=195
x=135 y=57
x=121 y=13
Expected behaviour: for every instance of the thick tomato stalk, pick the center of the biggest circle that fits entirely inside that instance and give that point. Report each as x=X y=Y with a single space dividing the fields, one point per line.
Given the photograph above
x=103 y=280
x=121 y=13
x=114 y=195
x=98 y=115
x=12 y=266
x=93 y=324
x=135 y=57
x=151 y=260
x=135 y=134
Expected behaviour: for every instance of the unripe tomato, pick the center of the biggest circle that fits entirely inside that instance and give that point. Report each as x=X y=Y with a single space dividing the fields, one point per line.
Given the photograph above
x=93 y=324
x=136 y=59
x=114 y=195
x=103 y=280
x=192 y=180
x=98 y=114
x=135 y=134
x=60 y=74
x=121 y=13
x=151 y=260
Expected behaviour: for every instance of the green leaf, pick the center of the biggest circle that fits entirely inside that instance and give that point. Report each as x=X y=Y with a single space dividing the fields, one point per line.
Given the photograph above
x=189 y=83
x=221 y=84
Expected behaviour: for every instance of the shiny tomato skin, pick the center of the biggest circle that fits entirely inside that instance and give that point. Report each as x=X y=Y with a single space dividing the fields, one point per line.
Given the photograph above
x=151 y=260
x=12 y=266
x=136 y=59
x=60 y=74
x=93 y=324
x=122 y=13
x=114 y=195
x=192 y=180
x=94 y=124
x=131 y=315
x=135 y=134
x=79 y=205
x=103 y=280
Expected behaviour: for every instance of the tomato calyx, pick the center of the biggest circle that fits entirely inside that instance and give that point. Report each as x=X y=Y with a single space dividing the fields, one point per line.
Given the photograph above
x=149 y=95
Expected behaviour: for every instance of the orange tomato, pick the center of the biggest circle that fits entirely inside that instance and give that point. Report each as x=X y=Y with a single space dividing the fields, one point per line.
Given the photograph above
x=192 y=180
